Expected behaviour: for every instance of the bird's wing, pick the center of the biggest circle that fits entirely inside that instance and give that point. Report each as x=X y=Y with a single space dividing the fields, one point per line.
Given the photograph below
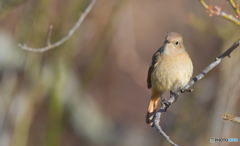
x=152 y=67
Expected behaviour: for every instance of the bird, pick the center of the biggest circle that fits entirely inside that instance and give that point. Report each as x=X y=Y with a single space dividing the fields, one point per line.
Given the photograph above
x=170 y=70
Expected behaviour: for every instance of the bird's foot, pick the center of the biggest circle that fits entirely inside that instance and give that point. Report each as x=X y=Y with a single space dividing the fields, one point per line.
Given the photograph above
x=187 y=90
x=165 y=106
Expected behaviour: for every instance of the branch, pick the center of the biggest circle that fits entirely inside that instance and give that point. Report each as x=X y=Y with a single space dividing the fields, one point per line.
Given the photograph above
x=235 y=6
x=174 y=95
x=65 y=38
x=216 y=10
x=230 y=117
x=49 y=35
x=160 y=130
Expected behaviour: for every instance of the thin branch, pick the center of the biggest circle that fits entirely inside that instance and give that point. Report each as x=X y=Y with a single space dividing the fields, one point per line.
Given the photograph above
x=235 y=6
x=230 y=117
x=49 y=35
x=216 y=10
x=174 y=95
x=160 y=130
x=66 y=37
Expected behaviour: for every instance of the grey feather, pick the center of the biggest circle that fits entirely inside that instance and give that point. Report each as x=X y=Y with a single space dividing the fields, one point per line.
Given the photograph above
x=152 y=67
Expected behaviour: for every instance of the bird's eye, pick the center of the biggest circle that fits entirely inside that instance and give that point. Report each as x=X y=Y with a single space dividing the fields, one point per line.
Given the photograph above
x=176 y=43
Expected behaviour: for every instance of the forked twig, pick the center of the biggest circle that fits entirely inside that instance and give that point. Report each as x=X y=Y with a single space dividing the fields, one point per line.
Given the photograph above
x=216 y=10
x=235 y=6
x=65 y=38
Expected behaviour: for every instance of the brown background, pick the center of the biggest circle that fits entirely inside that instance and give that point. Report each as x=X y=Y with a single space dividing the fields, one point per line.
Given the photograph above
x=92 y=90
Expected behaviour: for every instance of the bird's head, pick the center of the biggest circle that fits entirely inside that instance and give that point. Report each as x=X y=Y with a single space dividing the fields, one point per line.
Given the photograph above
x=173 y=43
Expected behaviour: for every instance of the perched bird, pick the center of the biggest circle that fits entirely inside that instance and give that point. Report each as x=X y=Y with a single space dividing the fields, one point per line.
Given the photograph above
x=171 y=70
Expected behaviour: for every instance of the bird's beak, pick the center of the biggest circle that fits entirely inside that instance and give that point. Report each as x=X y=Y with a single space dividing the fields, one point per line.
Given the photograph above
x=166 y=42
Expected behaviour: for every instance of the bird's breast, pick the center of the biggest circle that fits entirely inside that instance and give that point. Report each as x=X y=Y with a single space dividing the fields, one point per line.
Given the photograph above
x=172 y=72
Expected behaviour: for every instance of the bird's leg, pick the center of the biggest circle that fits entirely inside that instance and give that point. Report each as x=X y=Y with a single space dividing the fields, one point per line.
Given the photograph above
x=167 y=103
x=165 y=106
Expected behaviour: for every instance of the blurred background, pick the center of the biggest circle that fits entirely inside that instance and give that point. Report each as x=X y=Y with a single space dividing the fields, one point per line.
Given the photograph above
x=92 y=90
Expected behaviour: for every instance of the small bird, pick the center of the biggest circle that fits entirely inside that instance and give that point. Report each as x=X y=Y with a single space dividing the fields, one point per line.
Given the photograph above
x=171 y=70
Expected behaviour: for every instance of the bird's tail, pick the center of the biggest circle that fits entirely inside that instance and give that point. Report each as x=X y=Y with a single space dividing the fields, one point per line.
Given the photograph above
x=152 y=108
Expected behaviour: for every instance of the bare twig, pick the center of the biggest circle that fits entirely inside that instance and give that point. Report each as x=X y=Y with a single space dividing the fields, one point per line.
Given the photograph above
x=230 y=117
x=173 y=96
x=160 y=130
x=49 y=35
x=216 y=10
x=235 y=6
x=66 y=37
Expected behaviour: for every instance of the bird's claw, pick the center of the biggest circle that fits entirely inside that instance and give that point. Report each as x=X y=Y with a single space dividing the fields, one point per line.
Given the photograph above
x=187 y=90
x=166 y=106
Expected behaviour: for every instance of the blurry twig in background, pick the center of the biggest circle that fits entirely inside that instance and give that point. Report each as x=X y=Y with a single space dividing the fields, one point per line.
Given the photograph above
x=65 y=38
x=230 y=117
x=216 y=10
x=49 y=35
x=236 y=7
x=173 y=96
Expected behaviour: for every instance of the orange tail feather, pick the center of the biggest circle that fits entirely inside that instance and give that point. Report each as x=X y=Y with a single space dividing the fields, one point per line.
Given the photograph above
x=152 y=108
